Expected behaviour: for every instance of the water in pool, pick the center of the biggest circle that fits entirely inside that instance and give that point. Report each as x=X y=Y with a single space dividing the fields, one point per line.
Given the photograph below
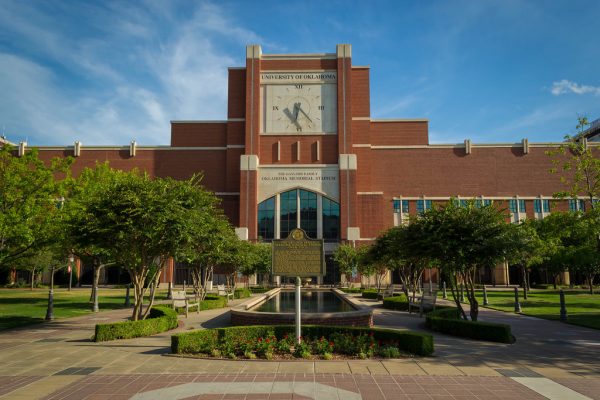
x=312 y=302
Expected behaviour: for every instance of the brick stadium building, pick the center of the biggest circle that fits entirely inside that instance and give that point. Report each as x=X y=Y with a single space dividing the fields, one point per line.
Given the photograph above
x=299 y=148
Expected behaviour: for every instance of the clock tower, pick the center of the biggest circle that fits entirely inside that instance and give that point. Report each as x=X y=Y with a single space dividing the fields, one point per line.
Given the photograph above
x=298 y=169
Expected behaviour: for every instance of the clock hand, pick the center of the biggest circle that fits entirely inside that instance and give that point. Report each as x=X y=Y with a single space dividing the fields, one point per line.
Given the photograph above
x=293 y=117
x=289 y=114
x=305 y=114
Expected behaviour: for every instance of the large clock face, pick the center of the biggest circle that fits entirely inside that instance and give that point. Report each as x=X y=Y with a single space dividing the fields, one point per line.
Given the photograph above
x=299 y=108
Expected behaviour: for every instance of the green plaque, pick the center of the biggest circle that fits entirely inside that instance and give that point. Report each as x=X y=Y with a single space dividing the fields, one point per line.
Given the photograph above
x=298 y=255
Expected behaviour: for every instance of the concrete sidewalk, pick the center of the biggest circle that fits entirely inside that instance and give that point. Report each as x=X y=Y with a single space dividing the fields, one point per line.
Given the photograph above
x=60 y=358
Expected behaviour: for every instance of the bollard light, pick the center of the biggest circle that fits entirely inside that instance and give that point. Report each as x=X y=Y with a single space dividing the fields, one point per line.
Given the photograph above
x=127 y=299
x=563 y=307
x=517 y=304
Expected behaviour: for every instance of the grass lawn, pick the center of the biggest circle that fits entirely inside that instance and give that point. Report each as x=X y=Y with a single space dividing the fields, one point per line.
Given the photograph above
x=23 y=306
x=582 y=308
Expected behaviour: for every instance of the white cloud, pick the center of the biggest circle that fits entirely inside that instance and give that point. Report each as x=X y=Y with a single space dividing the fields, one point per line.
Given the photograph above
x=127 y=79
x=566 y=86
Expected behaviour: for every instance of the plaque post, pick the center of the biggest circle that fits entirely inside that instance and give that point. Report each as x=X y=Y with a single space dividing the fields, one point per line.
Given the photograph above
x=298 y=308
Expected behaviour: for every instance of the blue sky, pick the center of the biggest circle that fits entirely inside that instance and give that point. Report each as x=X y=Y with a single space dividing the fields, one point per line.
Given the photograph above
x=107 y=72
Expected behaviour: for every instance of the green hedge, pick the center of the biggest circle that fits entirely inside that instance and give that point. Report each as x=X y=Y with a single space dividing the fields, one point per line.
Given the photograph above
x=351 y=290
x=398 y=302
x=160 y=319
x=259 y=289
x=449 y=321
x=203 y=341
x=241 y=293
x=369 y=294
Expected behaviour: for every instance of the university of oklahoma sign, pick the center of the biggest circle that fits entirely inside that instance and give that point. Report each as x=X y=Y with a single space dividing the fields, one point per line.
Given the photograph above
x=298 y=255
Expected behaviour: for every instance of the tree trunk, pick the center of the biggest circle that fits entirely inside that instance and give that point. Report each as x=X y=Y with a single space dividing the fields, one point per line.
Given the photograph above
x=32 y=278
x=591 y=281
x=97 y=267
x=525 y=288
x=153 y=286
x=473 y=303
x=455 y=296
x=139 y=290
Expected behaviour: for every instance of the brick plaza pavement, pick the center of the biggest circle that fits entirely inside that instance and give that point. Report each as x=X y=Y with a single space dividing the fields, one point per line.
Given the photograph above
x=59 y=361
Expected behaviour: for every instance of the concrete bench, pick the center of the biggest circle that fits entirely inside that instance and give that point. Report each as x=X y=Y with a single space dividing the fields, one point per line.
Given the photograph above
x=221 y=291
x=424 y=303
x=181 y=300
x=388 y=292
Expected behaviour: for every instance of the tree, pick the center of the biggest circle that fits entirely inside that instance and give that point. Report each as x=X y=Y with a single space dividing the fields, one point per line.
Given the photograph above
x=210 y=244
x=464 y=238
x=82 y=192
x=30 y=197
x=579 y=166
x=144 y=222
x=347 y=257
x=255 y=258
x=403 y=249
x=530 y=252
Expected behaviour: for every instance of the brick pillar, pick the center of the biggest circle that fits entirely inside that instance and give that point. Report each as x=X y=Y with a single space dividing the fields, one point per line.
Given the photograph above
x=249 y=161
x=501 y=274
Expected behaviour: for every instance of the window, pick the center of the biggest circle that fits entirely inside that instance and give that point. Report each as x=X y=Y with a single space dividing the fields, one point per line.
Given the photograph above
x=546 y=205
x=405 y=206
x=487 y=202
x=537 y=206
x=577 y=205
x=266 y=219
x=572 y=205
x=512 y=205
x=288 y=204
x=423 y=205
x=308 y=213
x=401 y=203
x=478 y=203
x=522 y=208
x=299 y=207
x=464 y=203
x=331 y=219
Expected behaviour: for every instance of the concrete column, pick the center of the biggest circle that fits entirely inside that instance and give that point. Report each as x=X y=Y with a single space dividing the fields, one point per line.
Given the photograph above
x=501 y=274
x=565 y=278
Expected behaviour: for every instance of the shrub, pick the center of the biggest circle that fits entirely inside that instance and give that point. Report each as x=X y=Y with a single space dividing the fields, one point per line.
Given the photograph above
x=389 y=352
x=398 y=302
x=448 y=321
x=349 y=340
x=241 y=293
x=369 y=294
x=160 y=319
x=351 y=290
x=259 y=289
x=210 y=302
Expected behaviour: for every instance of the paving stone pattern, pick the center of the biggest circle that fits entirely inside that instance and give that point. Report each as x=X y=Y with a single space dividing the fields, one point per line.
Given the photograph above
x=370 y=387
x=58 y=360
x=10 y=383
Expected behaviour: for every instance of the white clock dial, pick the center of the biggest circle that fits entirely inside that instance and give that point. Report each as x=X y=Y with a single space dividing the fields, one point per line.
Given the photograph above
x=299 y=108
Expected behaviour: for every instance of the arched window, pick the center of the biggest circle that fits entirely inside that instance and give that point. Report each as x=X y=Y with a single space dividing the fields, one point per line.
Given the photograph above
x=319 y=216
x=288 y=205
x=331 y=219
x=308 y=213
x=266 y=219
